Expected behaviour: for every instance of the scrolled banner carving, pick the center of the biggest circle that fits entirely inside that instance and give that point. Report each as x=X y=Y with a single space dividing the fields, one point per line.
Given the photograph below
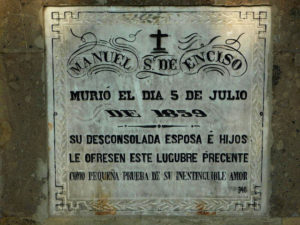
x=119 y=56
x=225 y=59
x=95 y=56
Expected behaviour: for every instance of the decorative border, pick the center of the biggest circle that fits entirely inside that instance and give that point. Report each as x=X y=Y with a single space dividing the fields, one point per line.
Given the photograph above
x=203 y=206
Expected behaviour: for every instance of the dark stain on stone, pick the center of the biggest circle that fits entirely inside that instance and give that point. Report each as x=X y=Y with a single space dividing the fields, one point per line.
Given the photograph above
x=201 y=211
x=103 y=213
x=105 y=208
x=276 y=75
x=16 y=221
x=295 y=12
x=161 y=3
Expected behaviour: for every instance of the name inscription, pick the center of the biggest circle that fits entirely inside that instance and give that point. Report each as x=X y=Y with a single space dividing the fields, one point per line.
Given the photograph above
x=120 y=56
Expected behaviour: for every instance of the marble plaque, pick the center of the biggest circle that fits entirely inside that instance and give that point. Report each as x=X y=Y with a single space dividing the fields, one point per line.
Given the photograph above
x=158 y=110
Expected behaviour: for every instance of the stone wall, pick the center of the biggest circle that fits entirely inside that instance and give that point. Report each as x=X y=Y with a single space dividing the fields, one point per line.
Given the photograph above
x=23 y=123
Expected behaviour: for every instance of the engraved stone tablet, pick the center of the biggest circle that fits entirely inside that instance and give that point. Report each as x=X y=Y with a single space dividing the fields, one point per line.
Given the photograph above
x=158 y=110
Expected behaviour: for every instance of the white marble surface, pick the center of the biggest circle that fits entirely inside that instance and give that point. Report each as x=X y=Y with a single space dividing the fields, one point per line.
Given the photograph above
x=95 y=51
